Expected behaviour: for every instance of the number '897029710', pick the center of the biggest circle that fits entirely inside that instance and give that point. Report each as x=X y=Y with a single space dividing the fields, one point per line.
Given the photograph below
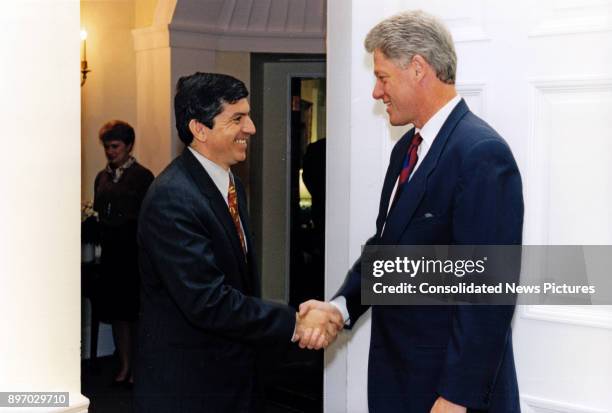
x=34 y=399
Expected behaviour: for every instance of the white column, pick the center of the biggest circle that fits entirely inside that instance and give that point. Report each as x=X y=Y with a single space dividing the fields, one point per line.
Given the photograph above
x=40 y=294
x=358 y=147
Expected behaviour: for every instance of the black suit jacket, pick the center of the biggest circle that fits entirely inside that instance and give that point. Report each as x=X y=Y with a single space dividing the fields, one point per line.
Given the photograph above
x=467 y=190
x=202 y=322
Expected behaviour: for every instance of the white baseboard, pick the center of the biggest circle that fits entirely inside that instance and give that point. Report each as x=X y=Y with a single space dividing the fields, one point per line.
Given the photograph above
x=532 y=404
x=586 y=316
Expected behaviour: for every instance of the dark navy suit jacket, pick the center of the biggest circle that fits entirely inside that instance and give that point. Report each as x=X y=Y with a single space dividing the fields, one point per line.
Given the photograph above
x=467 y=190
x=202 y=325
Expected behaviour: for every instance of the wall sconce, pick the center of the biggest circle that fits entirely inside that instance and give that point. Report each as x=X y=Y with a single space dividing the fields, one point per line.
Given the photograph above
x=84 y=69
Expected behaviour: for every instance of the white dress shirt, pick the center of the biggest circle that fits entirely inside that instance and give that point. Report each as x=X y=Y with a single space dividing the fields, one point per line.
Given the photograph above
x=428 y=132
x=219 y=176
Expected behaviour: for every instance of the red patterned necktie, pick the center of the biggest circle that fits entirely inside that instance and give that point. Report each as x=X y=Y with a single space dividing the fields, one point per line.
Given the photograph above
x=410 y=161
x=232 y=201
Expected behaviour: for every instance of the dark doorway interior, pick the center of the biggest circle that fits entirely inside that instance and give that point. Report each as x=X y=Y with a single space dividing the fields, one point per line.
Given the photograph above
x=307 y=234
x=296 y=383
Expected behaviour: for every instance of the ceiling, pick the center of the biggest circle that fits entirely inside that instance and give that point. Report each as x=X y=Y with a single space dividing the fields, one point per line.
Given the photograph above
x=301 y=18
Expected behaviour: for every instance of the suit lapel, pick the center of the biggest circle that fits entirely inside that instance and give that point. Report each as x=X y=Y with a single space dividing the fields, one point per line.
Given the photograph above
x=411 y=195
x=393 y=171
x=218 y=205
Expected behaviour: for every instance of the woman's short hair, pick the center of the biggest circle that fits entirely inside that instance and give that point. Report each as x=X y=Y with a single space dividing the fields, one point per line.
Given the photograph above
x=117 y=130
x=406 y=34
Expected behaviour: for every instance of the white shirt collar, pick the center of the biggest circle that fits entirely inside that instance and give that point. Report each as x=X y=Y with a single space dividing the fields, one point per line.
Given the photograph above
x=430 y=130
x=220 y=176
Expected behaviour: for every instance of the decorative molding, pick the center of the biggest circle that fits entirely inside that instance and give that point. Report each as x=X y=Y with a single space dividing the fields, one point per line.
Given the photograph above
x=464 y=30
x=187 y=35
x=466 y=23
x=561 y=85
x=537 y=171
x=151 y=38
x=574 y=18
x=541 y=405
x=214 y=30
x=584 y=316
x=237 y=26
x=473 y=90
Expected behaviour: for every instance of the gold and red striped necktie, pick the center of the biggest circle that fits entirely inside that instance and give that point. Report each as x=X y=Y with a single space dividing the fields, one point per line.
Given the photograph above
x=232 y=201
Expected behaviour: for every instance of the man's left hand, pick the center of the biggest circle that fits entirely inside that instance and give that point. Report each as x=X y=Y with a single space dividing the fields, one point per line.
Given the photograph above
x=444 y=406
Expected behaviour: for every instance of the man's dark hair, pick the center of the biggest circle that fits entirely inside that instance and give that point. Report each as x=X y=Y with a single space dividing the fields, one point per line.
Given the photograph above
x=117 y=130
x=201 y=96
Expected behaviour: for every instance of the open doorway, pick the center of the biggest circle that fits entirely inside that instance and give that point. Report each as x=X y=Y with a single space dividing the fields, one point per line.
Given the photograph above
x=307 y=203
x=287 y=205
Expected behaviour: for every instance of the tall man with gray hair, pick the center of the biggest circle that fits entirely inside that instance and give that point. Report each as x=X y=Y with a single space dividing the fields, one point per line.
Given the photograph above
x=451 y=180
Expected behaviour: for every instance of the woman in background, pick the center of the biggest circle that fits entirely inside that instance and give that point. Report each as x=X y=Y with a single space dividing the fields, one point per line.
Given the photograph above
x=118 y=192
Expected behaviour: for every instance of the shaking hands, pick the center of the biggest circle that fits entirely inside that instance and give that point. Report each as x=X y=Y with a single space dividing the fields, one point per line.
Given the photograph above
x=318 y=324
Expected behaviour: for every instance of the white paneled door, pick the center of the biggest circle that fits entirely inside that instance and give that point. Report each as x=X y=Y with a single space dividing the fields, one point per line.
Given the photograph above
x=541 y=74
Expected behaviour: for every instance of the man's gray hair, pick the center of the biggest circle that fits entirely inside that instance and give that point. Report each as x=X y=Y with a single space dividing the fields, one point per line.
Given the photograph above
x=404 y=35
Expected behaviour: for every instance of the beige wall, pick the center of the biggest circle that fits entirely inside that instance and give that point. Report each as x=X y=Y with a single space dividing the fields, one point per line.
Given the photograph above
x=144 y=11
x=237 y=64
x=110 y=90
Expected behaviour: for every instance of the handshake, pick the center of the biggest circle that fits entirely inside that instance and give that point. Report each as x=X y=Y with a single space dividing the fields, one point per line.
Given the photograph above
x=317 y=324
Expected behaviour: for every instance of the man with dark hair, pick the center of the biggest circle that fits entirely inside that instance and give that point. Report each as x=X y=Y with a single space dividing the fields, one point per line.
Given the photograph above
x=203 y=324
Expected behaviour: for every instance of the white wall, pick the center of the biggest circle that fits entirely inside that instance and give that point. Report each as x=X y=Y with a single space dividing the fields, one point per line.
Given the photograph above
x=39 y=212
x=356 y=162
x=515 y=69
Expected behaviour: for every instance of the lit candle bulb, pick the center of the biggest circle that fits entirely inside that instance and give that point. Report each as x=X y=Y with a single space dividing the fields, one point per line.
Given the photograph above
x=84 y=39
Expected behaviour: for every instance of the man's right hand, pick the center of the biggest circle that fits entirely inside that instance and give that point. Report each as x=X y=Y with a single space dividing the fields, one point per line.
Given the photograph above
x=318 y=324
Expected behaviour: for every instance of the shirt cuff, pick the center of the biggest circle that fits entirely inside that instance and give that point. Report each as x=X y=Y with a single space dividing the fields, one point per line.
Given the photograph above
x=293 y=337
x=340 y=303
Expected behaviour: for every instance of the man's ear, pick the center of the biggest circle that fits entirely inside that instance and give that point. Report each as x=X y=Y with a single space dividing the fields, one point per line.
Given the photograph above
x=419 y=65
x=198 y=130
